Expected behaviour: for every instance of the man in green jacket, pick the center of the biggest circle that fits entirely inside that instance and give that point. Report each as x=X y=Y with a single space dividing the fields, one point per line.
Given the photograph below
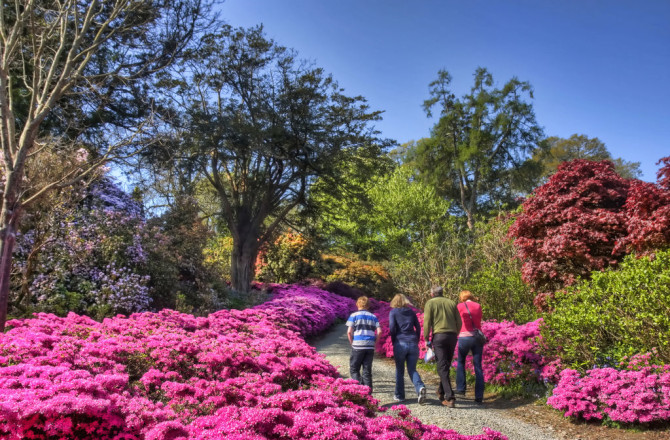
x=441 y=317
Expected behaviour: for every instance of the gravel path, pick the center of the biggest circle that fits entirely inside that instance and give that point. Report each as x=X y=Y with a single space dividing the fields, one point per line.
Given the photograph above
x=467 y=418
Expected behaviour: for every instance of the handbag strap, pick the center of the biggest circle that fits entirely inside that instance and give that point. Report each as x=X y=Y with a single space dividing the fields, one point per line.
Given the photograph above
x=473 y=321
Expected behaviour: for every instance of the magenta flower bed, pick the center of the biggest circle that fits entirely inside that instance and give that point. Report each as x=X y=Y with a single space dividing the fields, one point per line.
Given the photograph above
x=510 y=354
x=234 y=374
x=635 y=394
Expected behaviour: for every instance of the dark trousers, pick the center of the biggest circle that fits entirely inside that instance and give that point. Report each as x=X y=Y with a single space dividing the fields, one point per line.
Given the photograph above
x=358 y=359
x=444 y=345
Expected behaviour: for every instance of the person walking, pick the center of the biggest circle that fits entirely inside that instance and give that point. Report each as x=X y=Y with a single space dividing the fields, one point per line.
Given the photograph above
x=441 y=318
x=471 y=315
x=405 y=334
x=362 y=333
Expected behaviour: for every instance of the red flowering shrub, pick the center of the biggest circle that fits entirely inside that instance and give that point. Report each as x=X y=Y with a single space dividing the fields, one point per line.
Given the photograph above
x=663 y=175
x=647 y=212
x=570 y=225
x=587 y=218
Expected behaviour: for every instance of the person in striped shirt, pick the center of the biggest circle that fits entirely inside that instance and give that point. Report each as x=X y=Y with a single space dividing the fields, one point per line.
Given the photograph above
x=363 y=331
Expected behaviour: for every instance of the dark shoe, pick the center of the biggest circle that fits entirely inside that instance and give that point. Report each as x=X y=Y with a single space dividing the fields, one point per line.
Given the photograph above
x=460 y=393
x=479 y=400
x=422 y=395
x=449 y=403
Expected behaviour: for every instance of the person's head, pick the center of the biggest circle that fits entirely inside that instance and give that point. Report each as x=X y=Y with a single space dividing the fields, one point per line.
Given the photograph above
x=399 y=301
x=466 y=295
x=436 y=291
x=363 y=303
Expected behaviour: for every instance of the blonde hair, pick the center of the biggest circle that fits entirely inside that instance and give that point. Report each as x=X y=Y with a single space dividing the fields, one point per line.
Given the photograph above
x=400 y=300
x=363 y=303
x=465 y=295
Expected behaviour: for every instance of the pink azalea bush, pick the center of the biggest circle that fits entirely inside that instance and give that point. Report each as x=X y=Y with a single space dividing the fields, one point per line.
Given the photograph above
x=156 y=376
x=637 y=393
x=511 y=353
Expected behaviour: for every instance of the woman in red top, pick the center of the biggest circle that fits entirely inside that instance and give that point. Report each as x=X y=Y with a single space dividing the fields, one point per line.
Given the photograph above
x=467 y=344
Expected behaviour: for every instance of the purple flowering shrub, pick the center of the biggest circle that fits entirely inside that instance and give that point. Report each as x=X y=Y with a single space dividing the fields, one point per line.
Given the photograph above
x=511 y=353
x=637 y=392
x=89 y=257
x=235 y=374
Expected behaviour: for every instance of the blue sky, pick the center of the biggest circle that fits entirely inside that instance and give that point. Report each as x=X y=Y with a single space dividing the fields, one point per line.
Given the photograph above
x=599 y=68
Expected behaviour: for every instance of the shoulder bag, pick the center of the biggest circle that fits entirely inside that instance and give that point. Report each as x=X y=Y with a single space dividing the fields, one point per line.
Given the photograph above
x=479 y=335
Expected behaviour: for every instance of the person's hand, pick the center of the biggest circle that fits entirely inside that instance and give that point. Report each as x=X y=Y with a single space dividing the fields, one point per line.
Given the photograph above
x=429 y=344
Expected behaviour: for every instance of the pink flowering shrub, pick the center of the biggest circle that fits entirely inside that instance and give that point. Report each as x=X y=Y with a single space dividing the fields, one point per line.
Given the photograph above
x=638 y=393
x=511 y=353
x=168 y=375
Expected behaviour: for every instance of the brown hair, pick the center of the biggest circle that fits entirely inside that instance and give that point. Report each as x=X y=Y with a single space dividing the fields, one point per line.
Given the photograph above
x=465 y=295
x=363 y=303
x=400 y=300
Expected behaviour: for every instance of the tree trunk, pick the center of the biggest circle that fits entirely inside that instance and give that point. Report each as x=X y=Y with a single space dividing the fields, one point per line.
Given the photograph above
x=7 y=241
x=243 y=261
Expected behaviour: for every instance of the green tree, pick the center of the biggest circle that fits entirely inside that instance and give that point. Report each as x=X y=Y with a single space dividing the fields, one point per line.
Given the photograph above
x=67 y=66
x=478 y=153
x=557 y=150
x=260 y=126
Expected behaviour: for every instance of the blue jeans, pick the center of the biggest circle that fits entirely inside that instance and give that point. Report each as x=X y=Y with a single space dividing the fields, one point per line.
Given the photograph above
x=465 y=346
x=358 y=359
x=406 y=352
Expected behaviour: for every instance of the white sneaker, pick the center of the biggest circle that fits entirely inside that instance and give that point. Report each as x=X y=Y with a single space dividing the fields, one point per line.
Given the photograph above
x=398 y=399
x=422 y=395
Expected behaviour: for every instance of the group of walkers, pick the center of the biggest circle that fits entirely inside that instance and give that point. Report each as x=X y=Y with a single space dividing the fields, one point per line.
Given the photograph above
x=445 y=325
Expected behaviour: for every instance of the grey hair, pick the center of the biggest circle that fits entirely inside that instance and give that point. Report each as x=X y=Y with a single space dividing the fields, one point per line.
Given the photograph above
x=436 y=291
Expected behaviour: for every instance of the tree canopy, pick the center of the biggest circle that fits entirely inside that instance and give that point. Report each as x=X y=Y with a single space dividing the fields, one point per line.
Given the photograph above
x=66 y=67
x=259 y=125
x=479 y=150
x=557 y=150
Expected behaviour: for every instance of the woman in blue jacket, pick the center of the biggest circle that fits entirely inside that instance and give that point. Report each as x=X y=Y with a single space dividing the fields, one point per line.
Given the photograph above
x=405 y=333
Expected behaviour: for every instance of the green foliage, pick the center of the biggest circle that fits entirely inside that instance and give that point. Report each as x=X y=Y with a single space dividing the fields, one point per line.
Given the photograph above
x=217 y=255
x=496 y=278
x=479 y=150
x=393 y=211
x=181 y=277
x=616 y=313
x=262 y=127
x=440 y=255
x=557 y=150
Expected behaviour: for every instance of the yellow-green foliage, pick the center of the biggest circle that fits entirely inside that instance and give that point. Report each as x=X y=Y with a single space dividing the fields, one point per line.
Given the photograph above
x=289 y=259
x=371 y=278
x=616 y=313
x=217 y=254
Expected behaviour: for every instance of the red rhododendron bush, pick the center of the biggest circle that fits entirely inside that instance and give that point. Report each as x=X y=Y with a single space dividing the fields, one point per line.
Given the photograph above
x=637 y=392
x=168 y=375
x=511 y=353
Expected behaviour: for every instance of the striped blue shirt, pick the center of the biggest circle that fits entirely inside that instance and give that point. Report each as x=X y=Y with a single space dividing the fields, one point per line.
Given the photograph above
x=365 y=324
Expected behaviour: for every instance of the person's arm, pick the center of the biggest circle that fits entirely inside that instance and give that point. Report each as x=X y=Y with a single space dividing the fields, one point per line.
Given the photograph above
x=350 y=335
x=459 y=321
x=417 y=327
x=393 y=326
x=427 y=322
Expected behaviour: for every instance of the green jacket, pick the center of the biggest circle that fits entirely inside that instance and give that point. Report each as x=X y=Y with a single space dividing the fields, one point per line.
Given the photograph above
x=441 y=316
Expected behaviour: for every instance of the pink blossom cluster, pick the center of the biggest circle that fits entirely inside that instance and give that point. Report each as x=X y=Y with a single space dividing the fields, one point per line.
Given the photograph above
x=512 y=351
x=168 y=375
x=639 y=393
